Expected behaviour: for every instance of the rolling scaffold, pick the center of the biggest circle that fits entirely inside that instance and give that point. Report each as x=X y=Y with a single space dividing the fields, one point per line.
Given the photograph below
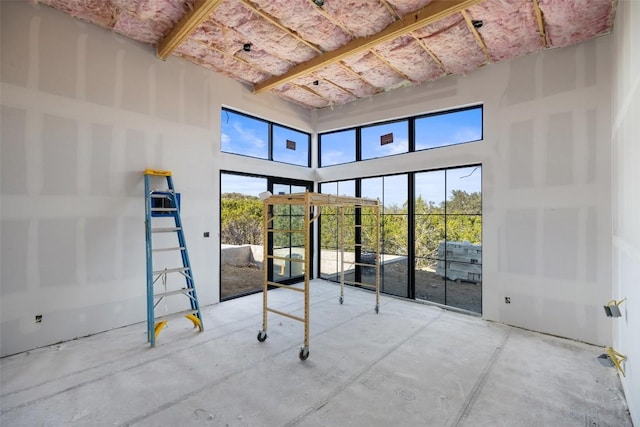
x=312 y=204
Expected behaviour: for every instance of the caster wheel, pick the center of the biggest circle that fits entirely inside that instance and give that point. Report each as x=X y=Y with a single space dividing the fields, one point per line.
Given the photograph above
x=377 y=309
x=262 y=336
x=304 y=353
x=341 y=300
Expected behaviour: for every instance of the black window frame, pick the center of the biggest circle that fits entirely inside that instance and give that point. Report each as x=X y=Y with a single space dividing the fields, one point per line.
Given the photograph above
x=270 y=141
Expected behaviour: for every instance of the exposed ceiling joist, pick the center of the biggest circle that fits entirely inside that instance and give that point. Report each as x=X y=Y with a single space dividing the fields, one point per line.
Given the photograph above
x=391 y=10
x=431 y=54
x=390 y=65
x=355 y=74
x=477 y=36
x=273 y=21
x=434 y=11
x=233 y=56
x=189 y=22
x=541 y=30
x=339 y=87
x=308 y=89
x=331 y=19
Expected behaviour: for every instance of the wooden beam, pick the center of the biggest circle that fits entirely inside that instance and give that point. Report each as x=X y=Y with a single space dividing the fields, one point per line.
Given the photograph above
x=391 y=10
x=434 y=11
x=331 y=19
x=358 y=75
x=390 y=65
x=477 y=36
x=273 y=21
x=189 y=22
x=431 y=54
x=541 y=29
x=308 y=89
x=344 y=89
x=235 y=57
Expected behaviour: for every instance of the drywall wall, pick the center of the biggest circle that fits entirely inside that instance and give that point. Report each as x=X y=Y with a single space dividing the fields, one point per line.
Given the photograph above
x=626 y=196
x=84 y=112
x=546 y=180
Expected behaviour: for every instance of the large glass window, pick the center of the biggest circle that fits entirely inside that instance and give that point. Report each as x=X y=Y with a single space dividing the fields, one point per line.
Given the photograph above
x=448 y=237
x=244 y=135
x=253 y=137
x=290 y=146
x=448 y=128
x=385 y=140
x=392 y=192
x=288 y=245
x=337 y=147
x=330 y=255
x=401 y=136
x=431 y=240
x=241 y=234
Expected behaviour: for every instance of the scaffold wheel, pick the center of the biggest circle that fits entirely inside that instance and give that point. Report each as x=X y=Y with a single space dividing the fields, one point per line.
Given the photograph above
x=304 y=353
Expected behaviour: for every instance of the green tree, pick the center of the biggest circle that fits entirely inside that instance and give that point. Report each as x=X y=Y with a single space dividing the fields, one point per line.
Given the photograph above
x=241 y=219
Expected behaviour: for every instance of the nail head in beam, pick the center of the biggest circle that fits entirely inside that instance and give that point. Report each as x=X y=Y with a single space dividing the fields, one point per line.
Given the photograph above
x=183 y=29
x=434 y=11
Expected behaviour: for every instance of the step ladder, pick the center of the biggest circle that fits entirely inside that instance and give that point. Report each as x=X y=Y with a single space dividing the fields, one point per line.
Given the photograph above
x=162 y=216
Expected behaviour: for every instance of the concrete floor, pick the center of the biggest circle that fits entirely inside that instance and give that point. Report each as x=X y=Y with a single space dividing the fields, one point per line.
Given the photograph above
x=410 y=365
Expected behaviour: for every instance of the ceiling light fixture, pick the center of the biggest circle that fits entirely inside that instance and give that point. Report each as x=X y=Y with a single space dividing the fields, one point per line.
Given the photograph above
x=319 y=3
x=247 y=47
x=477 y=23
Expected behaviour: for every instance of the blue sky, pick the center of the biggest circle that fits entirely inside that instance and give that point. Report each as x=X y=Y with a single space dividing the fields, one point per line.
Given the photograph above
x=248 y=136
x=431 y=131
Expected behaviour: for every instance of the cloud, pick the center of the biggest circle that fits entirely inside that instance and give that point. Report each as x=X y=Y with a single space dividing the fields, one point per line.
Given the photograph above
x=249 y=136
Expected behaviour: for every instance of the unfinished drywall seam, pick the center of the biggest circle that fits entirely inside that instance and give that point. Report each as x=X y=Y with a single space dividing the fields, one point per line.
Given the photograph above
x=624 y=107
x=81 y=67
x=153 y=88
x=34 y=53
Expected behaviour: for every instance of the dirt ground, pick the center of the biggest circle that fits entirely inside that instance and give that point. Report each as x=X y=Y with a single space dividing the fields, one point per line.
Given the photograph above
x=238 y=280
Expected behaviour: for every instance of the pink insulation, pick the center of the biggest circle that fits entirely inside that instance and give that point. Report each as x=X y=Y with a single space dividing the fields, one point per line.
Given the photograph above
x=373 y=70
x=265 y=62
x=231 y=42
x=239 y=69
x=347 y=79
x=99 y=12
x=510 y=27
x=327 y=90
x=261 y=33
x=573 y=21
x=303 y=17
x=404 y=7
x=143 y=31
x=361 y=17
x=453 y=44
x=301 y=96
x=406 y=54
x=146 y=21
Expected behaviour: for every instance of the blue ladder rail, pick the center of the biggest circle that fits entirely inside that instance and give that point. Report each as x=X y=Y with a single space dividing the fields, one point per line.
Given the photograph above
x=169 y=209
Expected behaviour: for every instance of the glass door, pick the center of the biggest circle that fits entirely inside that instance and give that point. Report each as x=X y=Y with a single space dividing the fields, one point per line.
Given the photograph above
x=241 y=231
x=288 y=246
